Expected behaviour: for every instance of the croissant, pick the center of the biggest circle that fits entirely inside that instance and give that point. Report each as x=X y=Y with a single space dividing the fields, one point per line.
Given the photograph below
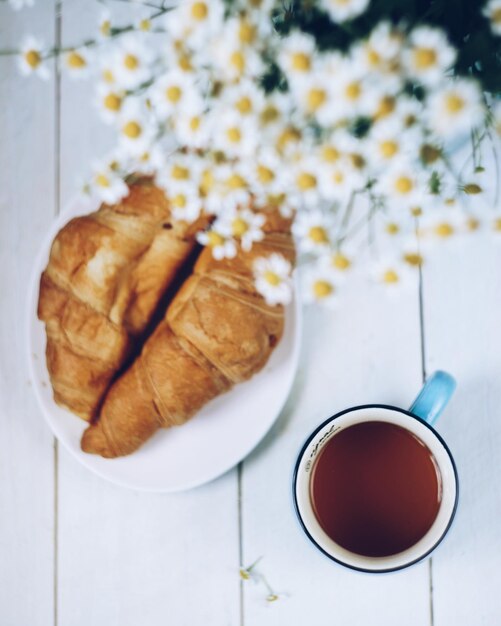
x=218 y=331
x=106 y=275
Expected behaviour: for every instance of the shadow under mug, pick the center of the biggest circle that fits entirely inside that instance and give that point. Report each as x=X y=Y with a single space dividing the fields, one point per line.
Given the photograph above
x=418 y=420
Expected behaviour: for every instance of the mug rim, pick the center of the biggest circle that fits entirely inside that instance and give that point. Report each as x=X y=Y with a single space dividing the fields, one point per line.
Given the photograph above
x=295 y=478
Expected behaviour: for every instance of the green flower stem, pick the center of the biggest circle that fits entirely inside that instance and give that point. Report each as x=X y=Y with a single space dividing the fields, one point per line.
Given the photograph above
x=90 y=43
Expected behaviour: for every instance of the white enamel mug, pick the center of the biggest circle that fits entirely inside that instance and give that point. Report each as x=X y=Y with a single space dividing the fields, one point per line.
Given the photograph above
x=418 y=420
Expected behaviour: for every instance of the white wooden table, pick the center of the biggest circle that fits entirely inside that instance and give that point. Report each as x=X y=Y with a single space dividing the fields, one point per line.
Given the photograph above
x=78 y=551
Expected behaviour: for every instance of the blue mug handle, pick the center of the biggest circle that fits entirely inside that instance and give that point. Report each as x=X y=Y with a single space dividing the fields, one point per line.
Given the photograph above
x=433 y=397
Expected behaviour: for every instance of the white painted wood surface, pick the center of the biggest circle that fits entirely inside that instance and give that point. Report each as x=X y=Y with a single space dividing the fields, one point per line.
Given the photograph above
x=75 y=550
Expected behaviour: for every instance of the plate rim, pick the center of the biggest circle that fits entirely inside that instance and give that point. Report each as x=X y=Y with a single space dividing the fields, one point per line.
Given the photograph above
x=40 y=259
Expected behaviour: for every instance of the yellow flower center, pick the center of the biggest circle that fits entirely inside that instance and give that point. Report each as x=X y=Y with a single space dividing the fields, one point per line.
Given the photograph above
x=145 y=24
x=235 y=181
x=184 y=63
x=373 y=57
x=264 y=174
x=173 y=94
x=269 y=114
x=330 y=154
x=424 y=58
x=357 y=160
x=239 y=227
x=416 y=211
x=207 y=182
x=179 y=201
x=237 y=59
x=404 y=185
x=234 y=135
x=215 y=239
x=338 y=177
x=472 y=223
x=75 y=60
x=132 y=130
x=444 y=230
x=390 y=277
x=287 y=136
x=386 y=106
x=496 y=16
x=353 y=91
x=112 y=102
x=306 y=181
x=33 y=58
x=102 y=180
x=388 y=148
x=454 y=103
x=246 y=32
x=199 y=11
x=392 y=228
x=318 y=234
x=195 y=123
x=413 y=258
x=131 y=62
x=179 y=172
x=340 y=261
x=272 y=278
x=322 y=289
x=429 y=154
x=244 y=105
x=497 y=224
x=315 y=99
x=105 y=28
x=108 y=76
x=300 y=61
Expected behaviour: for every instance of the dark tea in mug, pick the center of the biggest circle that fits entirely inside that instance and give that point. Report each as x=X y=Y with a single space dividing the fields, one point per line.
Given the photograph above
x=375 y=489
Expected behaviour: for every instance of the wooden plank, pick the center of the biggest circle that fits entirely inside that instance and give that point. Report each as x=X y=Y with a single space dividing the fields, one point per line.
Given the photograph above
x=26 y=444
x=128 y=558
x=462 y=298
x=366 y=351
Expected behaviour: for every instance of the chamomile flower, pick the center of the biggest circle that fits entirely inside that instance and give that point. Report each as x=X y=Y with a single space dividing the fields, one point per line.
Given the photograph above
x=104 y=24
x=314 y=97
x=106 y=184
x=273 y=280
x=233 y=185
x=455 y=108
x=387 y=143
x=305 y=180
x=222 y=247
x=78 y=62
x=428 y=55
x=340 y=179
x=296 y=54
x=320 y=284
x=351 y=94
x=173 y=92
x=443 y=223
x=149 y=162
x=234 y=135
x=492 y=11
x=136 y=131
x=343 y=10
x=192 y=127
x=109 y=101
x=31 y=59
x=245 y=98
x=195 y=21
x=341 y=260
x=233 y=62
x=243 y=225
x=180 y=170
x=380 y=50
x=132 y=62
x=184 y=199
x=313 y=231
x=401 y=185
x=266 y=174
x=392 y=273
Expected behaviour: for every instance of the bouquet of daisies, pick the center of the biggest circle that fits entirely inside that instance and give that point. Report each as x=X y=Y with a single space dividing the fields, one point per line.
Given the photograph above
x=342 y=113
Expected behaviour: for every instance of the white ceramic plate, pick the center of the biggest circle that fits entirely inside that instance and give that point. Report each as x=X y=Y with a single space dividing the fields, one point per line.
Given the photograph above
x=180 y=458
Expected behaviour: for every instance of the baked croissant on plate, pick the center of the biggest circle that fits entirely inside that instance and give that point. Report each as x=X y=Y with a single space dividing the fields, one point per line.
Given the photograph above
x=218 y=331
x=106 y=275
